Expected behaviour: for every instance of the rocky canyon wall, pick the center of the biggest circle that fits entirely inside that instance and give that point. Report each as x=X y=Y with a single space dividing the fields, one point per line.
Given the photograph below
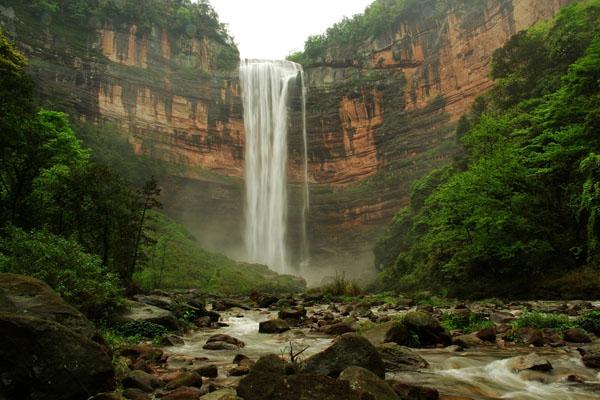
x=380 y=113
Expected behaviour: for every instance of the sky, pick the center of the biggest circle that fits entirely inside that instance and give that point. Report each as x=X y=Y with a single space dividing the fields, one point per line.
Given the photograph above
x=272 y=29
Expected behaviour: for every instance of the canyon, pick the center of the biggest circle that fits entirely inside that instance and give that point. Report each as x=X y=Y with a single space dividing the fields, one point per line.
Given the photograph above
x=380 y=114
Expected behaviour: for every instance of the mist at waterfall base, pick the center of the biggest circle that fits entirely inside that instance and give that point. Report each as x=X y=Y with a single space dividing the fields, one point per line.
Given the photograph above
x=267 y=88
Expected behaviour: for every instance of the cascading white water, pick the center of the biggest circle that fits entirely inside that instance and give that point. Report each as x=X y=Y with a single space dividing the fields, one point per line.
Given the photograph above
x=265 y=93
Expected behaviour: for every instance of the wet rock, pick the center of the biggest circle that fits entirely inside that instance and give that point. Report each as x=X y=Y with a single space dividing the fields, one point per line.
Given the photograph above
x=203 y=322
x=466 y=341
x=501 y=317
x=362 y=311
x=576 y=335
x=292 y=313
x=220 y=346
x=183 y=393
x=590 y=356
x=531 y=362
x=531 y=336
x=427 y=308
x=188 y=378
x=140 y=312
x=364 y=380
x=345 y=310
x=239 y=370
x=408 y=391
x=48 y=348
x=266 y=301
x=260 y=383
x=135 y=394
x=226 y=304
x=402 y=302
x=171 y=340
x=338 y=329
x=427 y=328
x=223 y=342
x=222 y=394
x=349 y=350
x=142 y=356
x=209 y=371
x=314 y=387
x=141 y=380
x=393 y=331
x=273 y=326
x=398 y=358
x=487 y=334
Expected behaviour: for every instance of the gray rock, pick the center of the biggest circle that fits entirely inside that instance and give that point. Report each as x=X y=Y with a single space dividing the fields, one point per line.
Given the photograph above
x=313 y=387
x=392 y=331
x=260 y=383
x=397 y=358
x=590 y=356
x=273 y=326
x=466 y=341
x=141 y=380
x=427 y=328
x=364 y=380
x=531 y=362
x=349 y=350
x=48 y=349
x=145 y=312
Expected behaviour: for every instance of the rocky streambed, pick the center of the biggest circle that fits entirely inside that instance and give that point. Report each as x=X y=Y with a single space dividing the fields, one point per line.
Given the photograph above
x=298 y=347
x=308 y=348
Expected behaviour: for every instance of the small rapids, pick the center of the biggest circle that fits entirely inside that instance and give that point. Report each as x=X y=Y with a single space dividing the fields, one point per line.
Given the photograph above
x=487 y=374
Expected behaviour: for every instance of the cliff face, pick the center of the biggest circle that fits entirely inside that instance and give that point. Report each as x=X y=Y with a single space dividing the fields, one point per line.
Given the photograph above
x=378 y=118
x=382 y=113
x=165 y=89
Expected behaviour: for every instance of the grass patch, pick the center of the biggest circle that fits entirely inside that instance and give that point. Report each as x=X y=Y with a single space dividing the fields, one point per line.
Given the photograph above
x=175 y=260
x=539 y=320
x=341 y=287
x=473 y=323
x=590 y=321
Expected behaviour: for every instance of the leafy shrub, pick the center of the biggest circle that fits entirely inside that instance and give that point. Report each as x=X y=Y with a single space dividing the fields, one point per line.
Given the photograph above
x=341 y=287
x=77 y=276
x=590 y=321
x=141 y=329
x=468 y=325
x=542 y=320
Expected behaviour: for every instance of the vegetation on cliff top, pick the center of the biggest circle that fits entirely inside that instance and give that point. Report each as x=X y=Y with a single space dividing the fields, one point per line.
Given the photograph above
x=517 y=213
x=194 y=18
x=381 y=18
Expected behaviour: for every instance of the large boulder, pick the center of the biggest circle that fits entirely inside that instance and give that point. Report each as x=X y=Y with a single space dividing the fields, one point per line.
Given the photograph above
x=364 y=380
x=48 y=348
x=349 y=350
x=531 y=362
x=223 y=342
x=313 y=387
x=260 y=383
x=392 y=331
x=590 y=356
x=142 y=312
x=398 y=358
x=273 y=326
x=141 y=380
x=427 y=329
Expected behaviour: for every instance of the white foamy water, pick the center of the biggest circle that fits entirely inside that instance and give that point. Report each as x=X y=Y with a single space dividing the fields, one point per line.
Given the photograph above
x=265 y=93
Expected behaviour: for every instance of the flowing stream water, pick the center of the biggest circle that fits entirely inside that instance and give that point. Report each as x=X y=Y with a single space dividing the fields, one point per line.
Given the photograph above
x=479 y=374
x=266 y=94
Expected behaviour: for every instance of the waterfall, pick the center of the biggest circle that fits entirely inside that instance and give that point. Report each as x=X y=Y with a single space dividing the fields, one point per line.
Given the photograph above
x=265 y=94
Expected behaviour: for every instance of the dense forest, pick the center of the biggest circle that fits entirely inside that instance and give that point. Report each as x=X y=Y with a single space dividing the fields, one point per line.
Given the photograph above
x=517 y=213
